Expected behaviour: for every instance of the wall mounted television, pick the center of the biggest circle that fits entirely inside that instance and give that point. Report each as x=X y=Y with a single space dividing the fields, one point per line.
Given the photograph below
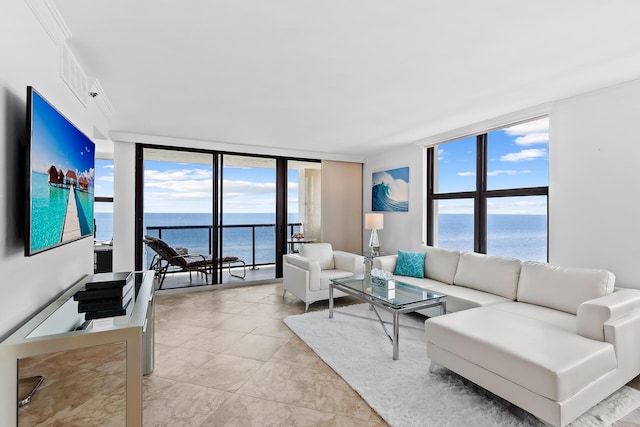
x=60 y=178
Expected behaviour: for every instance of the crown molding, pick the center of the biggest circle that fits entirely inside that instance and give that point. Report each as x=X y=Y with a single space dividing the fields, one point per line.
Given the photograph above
x=50 y=19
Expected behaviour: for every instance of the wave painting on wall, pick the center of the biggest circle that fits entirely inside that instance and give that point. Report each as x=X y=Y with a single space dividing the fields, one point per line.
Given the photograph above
x=390 y=190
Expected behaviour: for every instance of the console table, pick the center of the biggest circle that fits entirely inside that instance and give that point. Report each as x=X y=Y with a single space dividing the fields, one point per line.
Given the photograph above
x=59 y=327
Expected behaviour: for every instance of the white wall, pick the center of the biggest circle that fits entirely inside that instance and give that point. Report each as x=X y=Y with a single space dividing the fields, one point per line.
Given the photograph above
x=402 y=230
x=30 y=57
x=124 y=208
x=594 y=159
x=594 y=163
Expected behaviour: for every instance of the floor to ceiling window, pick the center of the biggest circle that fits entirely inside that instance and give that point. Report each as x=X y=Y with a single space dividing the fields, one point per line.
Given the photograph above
x=227 y=205
x=178 y=200
x=247 y=189
x=488 y=193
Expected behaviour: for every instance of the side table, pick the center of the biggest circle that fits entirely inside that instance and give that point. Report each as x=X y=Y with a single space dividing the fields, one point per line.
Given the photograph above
x=368 y=258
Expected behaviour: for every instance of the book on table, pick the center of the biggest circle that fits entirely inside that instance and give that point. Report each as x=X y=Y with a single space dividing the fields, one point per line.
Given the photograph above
x=118 y=310
x=86 y=294
x=108 y=280
x=103 y=303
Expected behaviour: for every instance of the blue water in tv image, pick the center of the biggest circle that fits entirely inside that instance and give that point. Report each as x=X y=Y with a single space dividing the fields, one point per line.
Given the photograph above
x=62 y=178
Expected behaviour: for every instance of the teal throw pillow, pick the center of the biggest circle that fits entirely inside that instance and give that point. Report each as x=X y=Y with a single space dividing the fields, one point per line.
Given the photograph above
x=410 y=264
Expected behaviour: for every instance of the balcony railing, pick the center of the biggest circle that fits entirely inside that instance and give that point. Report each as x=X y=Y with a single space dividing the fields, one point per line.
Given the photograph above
x=235 y=238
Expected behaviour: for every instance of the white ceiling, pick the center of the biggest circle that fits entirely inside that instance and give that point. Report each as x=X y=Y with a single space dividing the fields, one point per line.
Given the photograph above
x=350 y=77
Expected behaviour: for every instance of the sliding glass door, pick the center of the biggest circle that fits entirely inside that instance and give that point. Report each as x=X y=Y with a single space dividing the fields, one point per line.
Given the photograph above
x=241 y=211
x=178 y=201
x=247 y=215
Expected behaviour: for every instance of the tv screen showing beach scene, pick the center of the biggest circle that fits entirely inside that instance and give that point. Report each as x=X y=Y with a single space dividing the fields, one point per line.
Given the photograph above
x=61 y=178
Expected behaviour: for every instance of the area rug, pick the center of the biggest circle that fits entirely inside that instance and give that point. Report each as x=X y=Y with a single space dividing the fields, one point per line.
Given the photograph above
x=403 y=392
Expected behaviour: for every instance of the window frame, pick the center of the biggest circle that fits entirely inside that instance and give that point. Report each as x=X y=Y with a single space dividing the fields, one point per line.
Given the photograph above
x=479 y=195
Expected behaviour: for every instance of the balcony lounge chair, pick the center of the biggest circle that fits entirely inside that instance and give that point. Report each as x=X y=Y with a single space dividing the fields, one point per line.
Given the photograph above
x=167 y=257
x=179 y=259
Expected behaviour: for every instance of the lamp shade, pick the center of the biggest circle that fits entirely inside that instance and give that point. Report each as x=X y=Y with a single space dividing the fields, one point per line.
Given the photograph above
x=373 y=221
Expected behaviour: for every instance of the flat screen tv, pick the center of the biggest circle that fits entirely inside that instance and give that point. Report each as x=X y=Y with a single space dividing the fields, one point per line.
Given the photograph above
x=60 y=179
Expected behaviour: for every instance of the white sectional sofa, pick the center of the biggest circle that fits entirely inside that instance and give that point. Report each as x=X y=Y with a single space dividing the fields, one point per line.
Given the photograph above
x=554 y=341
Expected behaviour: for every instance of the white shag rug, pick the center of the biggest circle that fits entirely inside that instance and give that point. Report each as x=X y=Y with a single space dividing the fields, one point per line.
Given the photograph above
x=404 y=392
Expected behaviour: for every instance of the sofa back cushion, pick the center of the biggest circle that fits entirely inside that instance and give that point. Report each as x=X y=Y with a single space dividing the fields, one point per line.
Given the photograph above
x=562 y=288
x=320 y=252
x=440 y=264
x=493 y=274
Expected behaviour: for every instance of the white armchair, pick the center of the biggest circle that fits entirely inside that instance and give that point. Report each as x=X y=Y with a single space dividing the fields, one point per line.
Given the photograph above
x=308 y=273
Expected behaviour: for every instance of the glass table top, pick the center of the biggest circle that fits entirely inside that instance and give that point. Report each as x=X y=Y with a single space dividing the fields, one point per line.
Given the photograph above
x=394 y=292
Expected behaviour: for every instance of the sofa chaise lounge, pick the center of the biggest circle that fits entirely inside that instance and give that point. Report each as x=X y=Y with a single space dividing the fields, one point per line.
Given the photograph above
x=554 y=341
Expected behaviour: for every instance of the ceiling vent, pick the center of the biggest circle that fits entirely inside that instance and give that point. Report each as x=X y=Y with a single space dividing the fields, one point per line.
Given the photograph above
x=72 y=75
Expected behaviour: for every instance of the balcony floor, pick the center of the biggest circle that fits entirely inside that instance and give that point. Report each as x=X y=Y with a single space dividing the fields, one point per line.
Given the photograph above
x=262 y=274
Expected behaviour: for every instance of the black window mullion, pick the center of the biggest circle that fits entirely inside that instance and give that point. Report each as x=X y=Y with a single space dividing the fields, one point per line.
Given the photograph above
x=430 y=194
x=480 y=200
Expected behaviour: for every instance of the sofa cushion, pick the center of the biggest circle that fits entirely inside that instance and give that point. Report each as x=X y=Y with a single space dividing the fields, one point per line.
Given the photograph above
x=562 y=288
x=461 y=298
x=410 y=264
x=321 y=252
x=440 y=264
x=327 y=275
x=493 y=274
x=432 y=285
x=534 y=354
x=557 y=318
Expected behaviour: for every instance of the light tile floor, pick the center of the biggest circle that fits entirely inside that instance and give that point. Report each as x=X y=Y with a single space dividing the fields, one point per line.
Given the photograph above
x=223 y=358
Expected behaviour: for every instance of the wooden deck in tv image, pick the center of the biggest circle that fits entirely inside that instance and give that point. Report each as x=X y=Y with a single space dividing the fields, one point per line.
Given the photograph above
x=62 y=207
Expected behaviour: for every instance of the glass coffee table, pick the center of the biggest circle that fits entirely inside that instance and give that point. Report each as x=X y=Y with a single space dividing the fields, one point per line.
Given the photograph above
x=393 y=296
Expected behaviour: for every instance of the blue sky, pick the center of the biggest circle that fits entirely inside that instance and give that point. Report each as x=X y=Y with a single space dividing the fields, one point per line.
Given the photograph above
x=518 y=157
x=179 y=187
x=55 y=141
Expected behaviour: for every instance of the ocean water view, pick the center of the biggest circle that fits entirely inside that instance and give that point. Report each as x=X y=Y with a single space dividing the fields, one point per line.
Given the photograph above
x=48 y=209
x=519 y=236
x=515 y=235
x=236 y=241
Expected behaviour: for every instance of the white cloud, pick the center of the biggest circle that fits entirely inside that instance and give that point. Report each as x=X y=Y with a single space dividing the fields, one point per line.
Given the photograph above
x=525 y=155
x=398 y=189
x=530 y=133
x=247 y=188
x=108 y=166
x=533 y=138
x=181 y=186
x=177 y=175
x=505 y=172
x=441 y=154
x=466 y=174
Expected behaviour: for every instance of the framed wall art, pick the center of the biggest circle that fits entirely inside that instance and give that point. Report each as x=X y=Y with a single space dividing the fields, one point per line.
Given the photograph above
x=390 y=190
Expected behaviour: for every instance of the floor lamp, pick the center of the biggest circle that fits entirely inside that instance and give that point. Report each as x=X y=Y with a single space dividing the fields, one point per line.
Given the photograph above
x=374 y=222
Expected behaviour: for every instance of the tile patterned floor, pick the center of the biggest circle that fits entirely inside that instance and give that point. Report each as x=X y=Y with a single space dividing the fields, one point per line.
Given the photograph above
x=223 y=358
